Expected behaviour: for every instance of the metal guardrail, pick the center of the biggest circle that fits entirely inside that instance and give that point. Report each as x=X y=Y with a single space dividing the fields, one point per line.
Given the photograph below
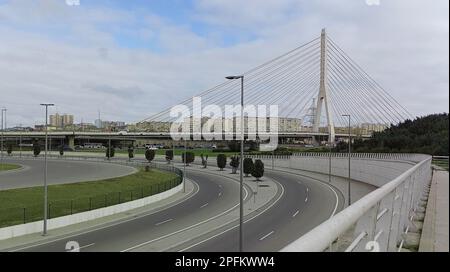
x=377 y=222
x=380 y=156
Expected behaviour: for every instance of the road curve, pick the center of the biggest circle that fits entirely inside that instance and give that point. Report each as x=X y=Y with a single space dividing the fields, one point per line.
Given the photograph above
x=59 y=172
x=305 y=204
x=218 y=192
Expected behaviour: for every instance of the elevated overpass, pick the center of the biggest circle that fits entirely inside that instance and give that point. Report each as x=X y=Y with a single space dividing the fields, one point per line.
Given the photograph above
x=71 y=138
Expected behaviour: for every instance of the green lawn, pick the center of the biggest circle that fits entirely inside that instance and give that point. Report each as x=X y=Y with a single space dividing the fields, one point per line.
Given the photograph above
x=8 y=166
x=26 y=204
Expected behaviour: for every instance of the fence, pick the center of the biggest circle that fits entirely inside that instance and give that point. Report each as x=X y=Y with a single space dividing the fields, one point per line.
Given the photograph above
x=378 y=221
x=31 y=213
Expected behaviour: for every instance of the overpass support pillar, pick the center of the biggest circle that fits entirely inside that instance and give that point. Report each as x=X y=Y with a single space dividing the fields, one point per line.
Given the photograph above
x=71 y=141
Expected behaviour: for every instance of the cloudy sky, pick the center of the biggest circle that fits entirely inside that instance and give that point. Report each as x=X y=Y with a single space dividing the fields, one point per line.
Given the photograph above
x=131 y=59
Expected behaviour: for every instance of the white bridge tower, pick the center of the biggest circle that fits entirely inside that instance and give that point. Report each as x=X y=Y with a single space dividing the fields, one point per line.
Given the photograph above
x=323 y=91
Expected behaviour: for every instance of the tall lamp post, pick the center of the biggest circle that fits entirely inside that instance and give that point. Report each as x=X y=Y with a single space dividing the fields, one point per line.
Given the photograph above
x=46 y=105
x=3 y=128
x=184 y=165
x=349 y=155
x=241 y=179
x=329 y=156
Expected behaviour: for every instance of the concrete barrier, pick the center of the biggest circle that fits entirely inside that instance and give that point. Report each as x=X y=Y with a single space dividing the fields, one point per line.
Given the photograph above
x=373 y=171
x=35 y=227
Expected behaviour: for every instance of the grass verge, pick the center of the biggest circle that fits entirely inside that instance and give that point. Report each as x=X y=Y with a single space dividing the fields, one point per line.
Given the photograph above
x=25 y=205
x=8 y=166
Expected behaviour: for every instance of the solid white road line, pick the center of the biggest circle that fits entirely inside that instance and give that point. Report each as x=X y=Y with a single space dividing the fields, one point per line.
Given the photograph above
x=165 y=221
x=189 y=227
x=295 y=214
x=235 y=226
x=196 y=186
x=267 y=235
x=204 y=205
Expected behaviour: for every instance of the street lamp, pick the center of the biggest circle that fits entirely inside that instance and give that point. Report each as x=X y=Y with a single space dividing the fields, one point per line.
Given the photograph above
x=3 y=128
x=241 y=179
x=329 y=156
x=184 y=166
x=46 y=105
x=349 y=154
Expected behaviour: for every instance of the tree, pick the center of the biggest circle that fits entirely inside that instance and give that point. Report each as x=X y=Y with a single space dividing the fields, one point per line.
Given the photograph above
x=234 y=163
x=9 y=150
x=248 y=166
x=169 y=155
x=188 y=157
x=61 y=150
x=130 y=152
x=221 y=161
x=258 y=170
x=149 y=154
x=204 y=160
x=36 y=149
x=110 y=152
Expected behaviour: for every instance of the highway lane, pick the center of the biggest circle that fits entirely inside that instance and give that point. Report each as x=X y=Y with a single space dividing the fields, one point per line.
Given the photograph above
x=305 y=204
x=216 y=194
x=59 y=172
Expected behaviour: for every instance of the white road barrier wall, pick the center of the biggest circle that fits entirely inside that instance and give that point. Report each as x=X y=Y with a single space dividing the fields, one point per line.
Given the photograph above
x=36 y=227
x=374 y=169
x=379 y=220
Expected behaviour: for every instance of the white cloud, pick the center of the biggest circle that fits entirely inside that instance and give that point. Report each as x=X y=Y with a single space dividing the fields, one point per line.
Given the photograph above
x=402 y=44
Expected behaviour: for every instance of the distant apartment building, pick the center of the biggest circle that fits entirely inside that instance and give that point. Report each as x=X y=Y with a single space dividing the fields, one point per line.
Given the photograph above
x=252 y=123
x=60 y=121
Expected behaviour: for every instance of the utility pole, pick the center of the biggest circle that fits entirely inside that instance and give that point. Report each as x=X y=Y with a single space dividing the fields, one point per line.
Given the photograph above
x=184 y=166
x=20 y=141
x=1 y=148
x=241 y=178
x=44 y=232
x=349 y=157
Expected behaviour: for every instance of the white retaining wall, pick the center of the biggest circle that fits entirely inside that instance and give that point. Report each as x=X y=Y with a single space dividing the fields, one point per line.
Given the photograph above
x=35 y=227
x=373 y=171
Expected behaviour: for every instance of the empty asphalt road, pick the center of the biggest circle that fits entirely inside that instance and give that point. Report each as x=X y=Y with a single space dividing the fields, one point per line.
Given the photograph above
x=59 y=172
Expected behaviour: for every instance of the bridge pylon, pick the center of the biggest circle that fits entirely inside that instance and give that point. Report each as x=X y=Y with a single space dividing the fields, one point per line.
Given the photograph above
x=323 y=97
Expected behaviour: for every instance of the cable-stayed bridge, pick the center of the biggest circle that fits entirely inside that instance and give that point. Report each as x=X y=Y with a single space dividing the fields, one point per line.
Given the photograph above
x=314 y=85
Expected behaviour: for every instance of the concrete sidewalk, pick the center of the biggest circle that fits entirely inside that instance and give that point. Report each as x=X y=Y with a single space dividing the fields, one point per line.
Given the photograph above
x=435 y=229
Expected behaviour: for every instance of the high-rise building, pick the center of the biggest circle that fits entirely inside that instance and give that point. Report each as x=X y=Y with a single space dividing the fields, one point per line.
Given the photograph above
x=60 y=121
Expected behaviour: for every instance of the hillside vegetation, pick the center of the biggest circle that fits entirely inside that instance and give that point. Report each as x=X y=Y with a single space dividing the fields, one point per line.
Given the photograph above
x=428 y=135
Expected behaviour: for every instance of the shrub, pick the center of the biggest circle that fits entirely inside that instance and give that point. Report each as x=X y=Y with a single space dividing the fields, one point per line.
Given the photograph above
x=189 y=157
x=258 y=170
x=234 y=163
x=36 y=149
x=169 y=155
x=110 y=152
x=204 y=160
x=248 y=166
x=149 y=154
x=130 y=152
x=221 y=161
